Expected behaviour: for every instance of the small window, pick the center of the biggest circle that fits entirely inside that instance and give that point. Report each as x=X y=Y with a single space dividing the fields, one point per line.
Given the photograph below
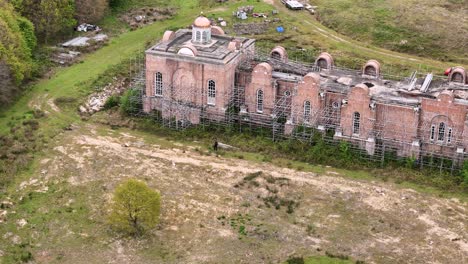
x=441 y=135
x=287 y=93
x=260 y=101
x=198 y=36
x=370 y=70
x=449 y=135
x=211 y=92
x=356 y=123
x=322 y=63
x=158 y=84
x=432 y=132
x=335 y=105
x=306 y=110
x=457 y=77
x=205 y=36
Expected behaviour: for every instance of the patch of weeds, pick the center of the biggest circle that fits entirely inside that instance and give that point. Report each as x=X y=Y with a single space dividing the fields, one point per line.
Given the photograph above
x=311 y=229
x=241 y=223
x=240 y=156
x=277 y=202
x=65 y=101
x=252 y=176
x=245 y=204
x=295 y=260
x=335 y=255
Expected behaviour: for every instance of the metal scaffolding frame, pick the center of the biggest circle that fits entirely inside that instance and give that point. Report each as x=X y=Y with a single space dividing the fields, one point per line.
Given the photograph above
x=176 y=111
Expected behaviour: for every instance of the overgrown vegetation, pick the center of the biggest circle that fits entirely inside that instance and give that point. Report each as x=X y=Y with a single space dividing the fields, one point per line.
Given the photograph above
x=17 y=148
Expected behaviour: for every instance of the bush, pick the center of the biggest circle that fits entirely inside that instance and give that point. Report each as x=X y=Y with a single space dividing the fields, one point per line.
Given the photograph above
x=130 y=102
x=295 y=260
x=112 y=102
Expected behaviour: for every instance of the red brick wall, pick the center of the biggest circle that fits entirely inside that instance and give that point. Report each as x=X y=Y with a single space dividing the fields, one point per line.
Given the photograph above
x=358 y=101
x=261 y=79
x=442 y=109
x=308 y=90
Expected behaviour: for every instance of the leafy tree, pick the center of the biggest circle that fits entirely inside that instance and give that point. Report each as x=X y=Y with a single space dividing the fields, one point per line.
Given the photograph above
x=49 y=17
x=16 y=45
x=135 y=207
x=90 y=11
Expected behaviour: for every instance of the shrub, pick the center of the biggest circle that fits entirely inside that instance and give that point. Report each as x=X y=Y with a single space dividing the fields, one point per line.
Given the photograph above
x=130 y=102
x=295 y=260
x=112 y=102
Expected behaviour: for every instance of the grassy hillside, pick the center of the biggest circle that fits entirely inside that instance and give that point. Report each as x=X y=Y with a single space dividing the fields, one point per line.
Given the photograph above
x=431 y=28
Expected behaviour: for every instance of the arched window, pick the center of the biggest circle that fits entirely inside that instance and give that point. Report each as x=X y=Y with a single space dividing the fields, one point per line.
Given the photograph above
x=198 y=36
x=211 y=92
x=432 y=132
x=259 y=101
x=370 y=70
x=276 y=55
x=322 y=63
x=441 y=135
x=356 y=123
x=449 y=135
x=457 y=77
x=158 y=84
x=205 y=36
x=306 y=110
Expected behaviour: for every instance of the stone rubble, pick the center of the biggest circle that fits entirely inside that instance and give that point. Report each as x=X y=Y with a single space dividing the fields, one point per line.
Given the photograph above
x=97 y=100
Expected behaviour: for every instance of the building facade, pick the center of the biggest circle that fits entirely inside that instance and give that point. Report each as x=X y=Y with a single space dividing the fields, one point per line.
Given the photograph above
x=198 y=74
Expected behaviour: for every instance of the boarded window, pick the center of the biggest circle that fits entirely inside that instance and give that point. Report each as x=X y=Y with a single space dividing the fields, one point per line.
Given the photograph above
x=211 y=92
x=356 y=123
x=260 y=101
x=158 y=84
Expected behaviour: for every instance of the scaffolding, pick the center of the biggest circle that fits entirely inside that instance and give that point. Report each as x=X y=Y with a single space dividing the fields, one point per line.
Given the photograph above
x=187 y=107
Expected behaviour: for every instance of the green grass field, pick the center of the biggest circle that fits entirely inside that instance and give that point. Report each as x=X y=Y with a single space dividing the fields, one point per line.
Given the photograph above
x=432 y=29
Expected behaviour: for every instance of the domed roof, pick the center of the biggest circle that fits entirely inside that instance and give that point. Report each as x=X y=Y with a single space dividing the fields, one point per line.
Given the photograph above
x=202 y=22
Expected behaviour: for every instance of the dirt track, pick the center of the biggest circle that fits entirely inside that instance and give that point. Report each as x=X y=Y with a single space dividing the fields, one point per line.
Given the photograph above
x=206 y=200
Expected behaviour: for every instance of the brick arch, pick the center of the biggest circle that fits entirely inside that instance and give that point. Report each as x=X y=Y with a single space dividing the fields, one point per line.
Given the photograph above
x=168 y=35
x=458 y=75
x=279 y=53
x=371 y=68
x=183 y=79
x=324 y=61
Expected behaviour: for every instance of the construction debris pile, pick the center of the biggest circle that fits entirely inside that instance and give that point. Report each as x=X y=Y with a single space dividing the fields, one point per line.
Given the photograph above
x=146 y=16
x=251 y=28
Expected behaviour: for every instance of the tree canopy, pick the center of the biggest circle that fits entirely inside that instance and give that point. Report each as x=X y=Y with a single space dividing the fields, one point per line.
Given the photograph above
x=17 y=41
x=135 y=207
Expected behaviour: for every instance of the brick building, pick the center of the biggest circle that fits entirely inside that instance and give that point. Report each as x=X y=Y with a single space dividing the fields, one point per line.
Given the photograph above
x=195 y=75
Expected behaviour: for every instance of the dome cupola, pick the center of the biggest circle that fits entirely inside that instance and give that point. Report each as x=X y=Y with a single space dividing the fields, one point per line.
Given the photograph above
x=201 y=30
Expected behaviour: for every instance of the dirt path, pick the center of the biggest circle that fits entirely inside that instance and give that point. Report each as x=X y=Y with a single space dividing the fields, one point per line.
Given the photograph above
x=207 y=198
